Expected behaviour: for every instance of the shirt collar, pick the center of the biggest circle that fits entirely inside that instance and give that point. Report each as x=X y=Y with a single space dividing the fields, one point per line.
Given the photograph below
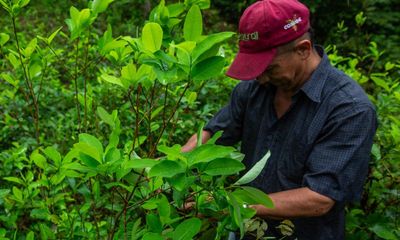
x=313 y=87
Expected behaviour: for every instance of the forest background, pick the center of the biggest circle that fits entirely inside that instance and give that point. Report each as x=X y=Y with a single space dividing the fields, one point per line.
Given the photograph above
x=87 y=90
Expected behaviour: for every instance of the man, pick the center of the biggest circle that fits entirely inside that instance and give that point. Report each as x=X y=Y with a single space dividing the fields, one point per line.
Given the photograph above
x=316 y=121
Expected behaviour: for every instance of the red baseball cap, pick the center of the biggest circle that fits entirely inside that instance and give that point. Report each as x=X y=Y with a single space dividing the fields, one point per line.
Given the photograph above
x=264 y=26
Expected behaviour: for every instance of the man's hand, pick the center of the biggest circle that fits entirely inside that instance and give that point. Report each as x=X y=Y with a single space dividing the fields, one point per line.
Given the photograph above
x=300 y=202
x=192 y=142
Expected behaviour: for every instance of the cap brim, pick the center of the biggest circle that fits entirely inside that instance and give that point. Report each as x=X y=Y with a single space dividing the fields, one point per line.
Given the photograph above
x=248 y=66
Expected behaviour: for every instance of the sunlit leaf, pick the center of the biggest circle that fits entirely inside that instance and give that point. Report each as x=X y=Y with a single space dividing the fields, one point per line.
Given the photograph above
x=187 y=229
x=223 y=166
x=152 y=35
x=193 y=26
x=254 y=171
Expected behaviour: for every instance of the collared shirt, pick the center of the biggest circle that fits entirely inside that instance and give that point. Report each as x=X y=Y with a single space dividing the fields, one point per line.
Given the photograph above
x=322 y=142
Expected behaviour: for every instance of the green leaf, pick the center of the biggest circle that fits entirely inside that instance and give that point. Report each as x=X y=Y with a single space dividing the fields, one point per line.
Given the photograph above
x=140 y=163
x=128 y=73
x=135 y=233
x=92 y=141
x=152 y=36
x=30 y=48
x=5 y=6
x=254 y=171
x=39 y=159
x=166 y=168
x=4 y=37
x=105 y=116
x=164 y=209
x=258 y=196
x=35 y=70
x=209 y=42
x=193 y=26
x=99 y=6
x=112 y=79
x=53 y=154
x=30 y=236
x=17 y=194
x=152 y=236
x=208 y=68
x=187 y=229
x=380 y=82
x=53 y=35
x=153 y=223
x=15 y=180
x=237 y=217
x=223 y=166
x=173 y=152
x=88 y=154
x=208 y=152
x=383 y=232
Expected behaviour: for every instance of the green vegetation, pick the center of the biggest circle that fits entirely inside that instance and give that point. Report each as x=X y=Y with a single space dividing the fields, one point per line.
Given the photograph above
x=96 y=101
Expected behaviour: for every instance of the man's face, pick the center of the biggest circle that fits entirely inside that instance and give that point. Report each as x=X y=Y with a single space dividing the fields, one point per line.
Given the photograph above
x=282 y=72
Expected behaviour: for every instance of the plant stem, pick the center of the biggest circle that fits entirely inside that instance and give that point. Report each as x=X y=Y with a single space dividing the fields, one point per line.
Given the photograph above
x=168 y=120
x=76 y=86
x=35 y=114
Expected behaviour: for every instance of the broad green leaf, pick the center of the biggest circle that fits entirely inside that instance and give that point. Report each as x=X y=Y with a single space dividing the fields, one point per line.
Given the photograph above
x=17 y=194
x=152 y=236
x=208 y=68
x=105 y=116
x=383 y=232
x=140 y=163
x=164 y=209
x=254 y=171
x=175 y=9
x=203 y=4
x=173 y=152
x=193 y=26
x=35 y=70
x=215 y=137
x=166 y=168
x=237 y=217
x=179 y=181
x=39 y=159
x=223 y=166
x=153 y=223
x=187 y=229
x=99 y=6
x=128 y=73
x=209 y=42
x=30 y=236
x=92 y=141
x=111 y=79
x=4 y=37
x=53 y=154
x=258 y=196
x=113 y=154
x=152 y=36
x=207 y=152
x=89 y=151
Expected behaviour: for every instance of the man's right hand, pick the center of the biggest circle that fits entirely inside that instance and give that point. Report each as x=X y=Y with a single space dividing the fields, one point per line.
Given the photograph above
x=192 y=142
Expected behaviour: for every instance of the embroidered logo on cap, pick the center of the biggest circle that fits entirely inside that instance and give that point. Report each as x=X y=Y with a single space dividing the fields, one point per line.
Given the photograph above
x=248 y=36
x=292 y=23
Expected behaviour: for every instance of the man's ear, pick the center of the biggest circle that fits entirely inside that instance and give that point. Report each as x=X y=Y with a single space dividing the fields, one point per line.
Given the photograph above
x=304 y=48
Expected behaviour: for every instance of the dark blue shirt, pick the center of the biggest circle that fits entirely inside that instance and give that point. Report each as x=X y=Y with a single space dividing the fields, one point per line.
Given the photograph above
x=322 y=142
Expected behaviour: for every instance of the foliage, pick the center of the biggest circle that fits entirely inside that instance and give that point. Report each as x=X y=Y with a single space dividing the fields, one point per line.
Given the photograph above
x=95 y=100
x=127 y=183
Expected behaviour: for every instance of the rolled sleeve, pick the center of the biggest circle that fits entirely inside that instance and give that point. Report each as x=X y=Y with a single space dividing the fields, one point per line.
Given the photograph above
x=338 y=163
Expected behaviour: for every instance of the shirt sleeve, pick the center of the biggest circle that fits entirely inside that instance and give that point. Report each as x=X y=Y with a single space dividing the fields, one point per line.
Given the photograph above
x=230 y=118
x=338 y=163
